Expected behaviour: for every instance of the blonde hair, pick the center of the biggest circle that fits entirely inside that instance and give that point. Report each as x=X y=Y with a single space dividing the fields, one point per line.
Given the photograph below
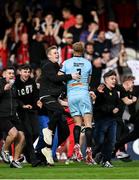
x=78 y=48
x=50 y=48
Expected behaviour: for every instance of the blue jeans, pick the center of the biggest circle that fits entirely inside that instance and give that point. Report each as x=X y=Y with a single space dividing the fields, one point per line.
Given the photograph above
x=43 y=123
x=105 y=137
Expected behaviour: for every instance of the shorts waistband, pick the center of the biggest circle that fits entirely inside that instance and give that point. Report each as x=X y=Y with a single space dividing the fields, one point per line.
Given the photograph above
x=76 y=84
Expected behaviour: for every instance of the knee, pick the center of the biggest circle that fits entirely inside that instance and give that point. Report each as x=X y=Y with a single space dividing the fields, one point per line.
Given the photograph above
x=13 y=133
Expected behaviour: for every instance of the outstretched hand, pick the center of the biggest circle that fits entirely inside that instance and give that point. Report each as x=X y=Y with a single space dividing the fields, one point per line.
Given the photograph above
x=101 y=88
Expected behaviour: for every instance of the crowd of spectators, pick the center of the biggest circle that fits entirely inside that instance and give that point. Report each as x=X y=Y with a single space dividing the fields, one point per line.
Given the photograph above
x=30 y=28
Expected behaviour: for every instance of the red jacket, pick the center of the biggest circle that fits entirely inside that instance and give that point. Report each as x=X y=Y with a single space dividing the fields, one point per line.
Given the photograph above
x=69 y=22
x=23 y=54
x=4 y=56
x=66 y=52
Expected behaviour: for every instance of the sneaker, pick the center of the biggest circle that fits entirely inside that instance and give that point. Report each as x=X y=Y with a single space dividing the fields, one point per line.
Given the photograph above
x=21 y=158
x=98 y=158
x=88 y=159
x=47 y=152
x=47 y=133
x=36 y=163
x=107 y=164
x=122 y=155
x=5 y=156
x=15 y=164
x=73 y=157
x=78 y=153
x=69 y=161
x=63 y=156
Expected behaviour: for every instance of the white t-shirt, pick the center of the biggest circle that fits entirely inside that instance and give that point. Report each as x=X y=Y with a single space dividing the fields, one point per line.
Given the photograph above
x=134 y=66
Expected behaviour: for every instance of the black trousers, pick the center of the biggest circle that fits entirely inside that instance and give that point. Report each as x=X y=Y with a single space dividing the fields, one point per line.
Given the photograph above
x=54 y=109
x=130 y=136
x=122 y=131
x=56 y=117
x=31 y=130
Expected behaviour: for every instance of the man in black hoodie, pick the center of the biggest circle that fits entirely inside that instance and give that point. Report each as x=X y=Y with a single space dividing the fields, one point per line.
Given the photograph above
x=51 y=87
x=106 y=111
x=9 y=123
x=28 y=95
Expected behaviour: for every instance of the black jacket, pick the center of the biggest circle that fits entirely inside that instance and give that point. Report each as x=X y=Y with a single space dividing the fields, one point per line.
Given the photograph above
x=37 y=52
x=27 y=91
x=8 y=100
x=105 y=103
x=51 y=83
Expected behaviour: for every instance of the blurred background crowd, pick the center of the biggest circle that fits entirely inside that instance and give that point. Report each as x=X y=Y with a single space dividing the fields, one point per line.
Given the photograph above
x=107 y=28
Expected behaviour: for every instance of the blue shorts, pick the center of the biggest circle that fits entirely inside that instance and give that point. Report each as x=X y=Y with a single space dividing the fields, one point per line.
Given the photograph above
x=80 y=104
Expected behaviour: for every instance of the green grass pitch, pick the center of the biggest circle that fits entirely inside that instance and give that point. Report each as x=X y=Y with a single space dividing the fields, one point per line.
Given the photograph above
x=121 y=170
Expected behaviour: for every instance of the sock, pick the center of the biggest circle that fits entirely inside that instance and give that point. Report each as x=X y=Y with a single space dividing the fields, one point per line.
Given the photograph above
x=77 y=130
x=88 y=134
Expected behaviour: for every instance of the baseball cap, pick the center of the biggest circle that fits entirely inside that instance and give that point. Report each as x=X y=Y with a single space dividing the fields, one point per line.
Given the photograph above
x=96 y=55
x=106 y=50
x=68 y=35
